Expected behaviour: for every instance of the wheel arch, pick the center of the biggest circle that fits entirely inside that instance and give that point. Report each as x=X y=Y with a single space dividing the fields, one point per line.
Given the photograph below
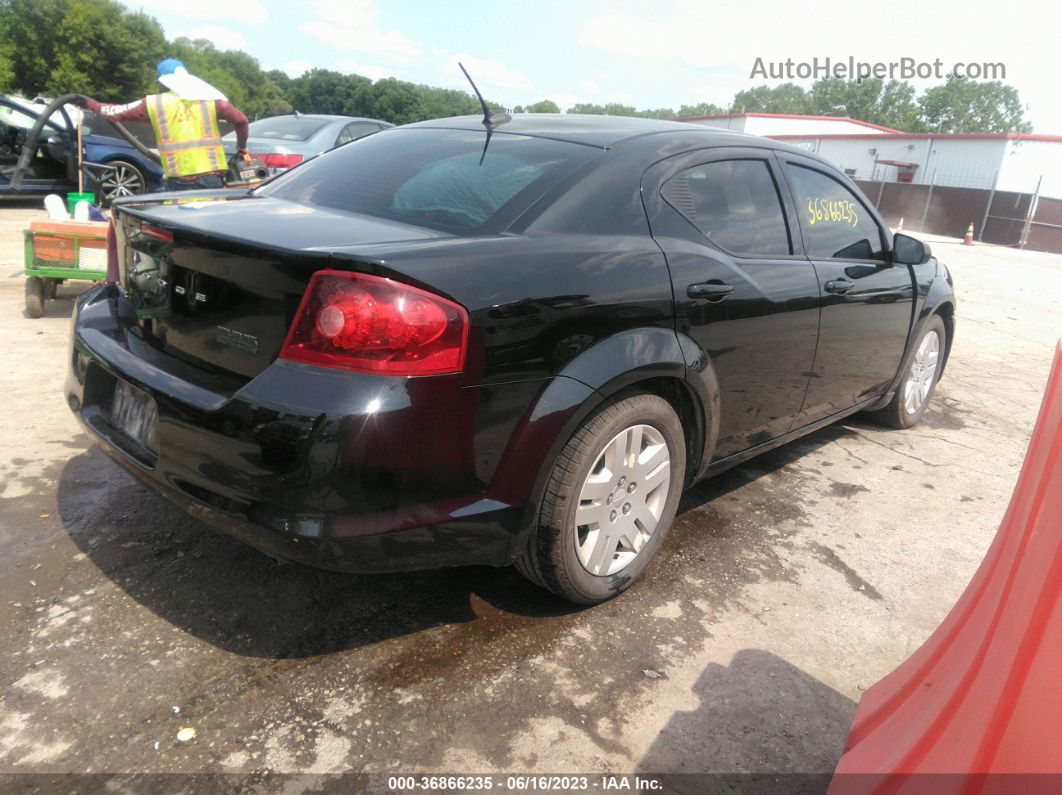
x=946 y=310
x=652 y=360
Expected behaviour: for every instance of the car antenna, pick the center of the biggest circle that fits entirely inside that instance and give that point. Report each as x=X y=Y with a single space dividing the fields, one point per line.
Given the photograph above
x=489 y=119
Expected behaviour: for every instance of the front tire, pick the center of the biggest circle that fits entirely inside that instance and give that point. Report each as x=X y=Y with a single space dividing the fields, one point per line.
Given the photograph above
x=609 y=502
x=34 y=296
x=907 y=406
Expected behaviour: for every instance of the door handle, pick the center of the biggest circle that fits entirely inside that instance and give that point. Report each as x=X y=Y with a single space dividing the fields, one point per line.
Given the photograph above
x=709 y=291
x=839 y=286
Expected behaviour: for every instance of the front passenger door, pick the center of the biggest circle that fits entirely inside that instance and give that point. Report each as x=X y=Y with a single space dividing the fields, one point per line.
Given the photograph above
x=866 y=301
x=742 y=292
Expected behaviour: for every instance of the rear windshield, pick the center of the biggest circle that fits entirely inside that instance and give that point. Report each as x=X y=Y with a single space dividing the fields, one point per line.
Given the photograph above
x=437 y=178
x=286 y=128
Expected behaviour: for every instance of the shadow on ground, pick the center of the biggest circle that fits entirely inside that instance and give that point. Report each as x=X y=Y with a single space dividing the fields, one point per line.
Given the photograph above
x=63 y=303
x=229 y=595
x=756 y=717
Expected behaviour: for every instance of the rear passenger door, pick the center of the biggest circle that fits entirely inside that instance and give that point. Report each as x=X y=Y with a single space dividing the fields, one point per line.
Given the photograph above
x=742 y=289
x=866 y=301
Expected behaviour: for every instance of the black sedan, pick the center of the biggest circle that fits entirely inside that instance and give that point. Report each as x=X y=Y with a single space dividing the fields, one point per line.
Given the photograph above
x=447 y=344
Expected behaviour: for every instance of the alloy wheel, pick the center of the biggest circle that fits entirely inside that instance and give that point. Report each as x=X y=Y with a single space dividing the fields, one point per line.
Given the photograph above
x=622 y=499
x=122 y=180
x=923 y=373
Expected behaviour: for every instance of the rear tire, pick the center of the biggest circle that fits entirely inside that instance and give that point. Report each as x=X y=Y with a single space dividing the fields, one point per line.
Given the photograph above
x=34 y=296
x=126 y=179
x=609 y=502
x=919 y=380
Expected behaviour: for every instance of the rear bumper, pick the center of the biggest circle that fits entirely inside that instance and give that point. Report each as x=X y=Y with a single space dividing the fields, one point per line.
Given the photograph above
x=338 y=470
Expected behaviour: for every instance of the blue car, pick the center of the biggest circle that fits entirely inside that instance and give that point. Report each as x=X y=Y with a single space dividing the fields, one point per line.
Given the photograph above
x=54 y=169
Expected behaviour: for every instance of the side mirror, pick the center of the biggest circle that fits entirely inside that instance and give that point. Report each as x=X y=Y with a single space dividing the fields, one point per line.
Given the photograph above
x=907 y=250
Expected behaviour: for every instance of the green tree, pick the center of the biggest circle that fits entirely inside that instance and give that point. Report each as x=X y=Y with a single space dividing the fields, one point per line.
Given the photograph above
x=7 y=72
x=700 y=109
x=236 y=74
x=832 y=96
x=88 y=46
x=784 y=98
x=962 y=105
x=608 y=109
x=437 y=103
x=891 y=104
x=27 y=30
x=544 y=106
x=657 y=113
x=587 y=108
x=393 y=100
x=897 y=107
x=325 y=91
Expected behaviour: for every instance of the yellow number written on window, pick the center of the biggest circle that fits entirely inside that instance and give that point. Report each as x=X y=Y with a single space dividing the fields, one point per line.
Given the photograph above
x=824 y=211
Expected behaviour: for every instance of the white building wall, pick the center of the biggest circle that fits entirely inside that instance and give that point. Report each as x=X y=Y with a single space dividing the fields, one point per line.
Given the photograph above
x=1025 y=161
x=760 y=125
x=736 y=123
x=962 y=162
x=774 y=125
x=956 y=162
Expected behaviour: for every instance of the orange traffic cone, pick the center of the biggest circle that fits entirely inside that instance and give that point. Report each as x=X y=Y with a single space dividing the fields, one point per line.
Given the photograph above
x=968 y=240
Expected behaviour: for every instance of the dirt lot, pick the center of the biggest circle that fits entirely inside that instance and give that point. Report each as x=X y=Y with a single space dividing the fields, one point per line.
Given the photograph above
x=788 y=585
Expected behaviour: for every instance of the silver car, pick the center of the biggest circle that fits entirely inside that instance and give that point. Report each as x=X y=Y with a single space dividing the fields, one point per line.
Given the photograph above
x=285 y=141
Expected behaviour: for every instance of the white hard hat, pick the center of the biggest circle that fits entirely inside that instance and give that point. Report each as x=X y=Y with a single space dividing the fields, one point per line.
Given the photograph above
x=176 y=78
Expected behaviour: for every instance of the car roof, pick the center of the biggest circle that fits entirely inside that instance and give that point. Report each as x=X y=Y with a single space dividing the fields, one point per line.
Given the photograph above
x=602 y=131
x=607 y=132
x=324 y=117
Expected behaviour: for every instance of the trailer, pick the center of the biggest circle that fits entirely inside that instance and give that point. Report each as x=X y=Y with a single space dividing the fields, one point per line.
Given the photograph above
x=57 y=251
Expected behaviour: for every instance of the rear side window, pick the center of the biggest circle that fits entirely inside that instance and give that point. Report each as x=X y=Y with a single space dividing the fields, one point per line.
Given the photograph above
x=356 y=130
x=835 y=223
x=286 y=128
x=442 y=179
x=735 y=203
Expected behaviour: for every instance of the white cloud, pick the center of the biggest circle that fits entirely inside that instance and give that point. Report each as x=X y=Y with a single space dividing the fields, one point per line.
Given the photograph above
x=222 y=37
x=565 y=99
x=372 y=71
x=490 y=76
x=251 y=12
x=705 y=51
x=296 y=68
x=354 y=25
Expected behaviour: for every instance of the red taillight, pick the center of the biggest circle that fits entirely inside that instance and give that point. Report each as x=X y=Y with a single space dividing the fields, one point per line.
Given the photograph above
x=280 y=161
x=354 y=321
x=165 y=235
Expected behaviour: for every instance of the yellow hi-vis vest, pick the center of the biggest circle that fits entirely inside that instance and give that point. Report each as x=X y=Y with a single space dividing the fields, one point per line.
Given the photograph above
x=187 y=134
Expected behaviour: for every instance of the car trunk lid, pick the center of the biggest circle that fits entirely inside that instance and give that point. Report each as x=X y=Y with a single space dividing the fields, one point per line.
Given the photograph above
x=217 y=282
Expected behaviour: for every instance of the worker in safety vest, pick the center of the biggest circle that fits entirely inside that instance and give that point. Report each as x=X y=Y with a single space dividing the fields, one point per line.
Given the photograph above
x=185 y=122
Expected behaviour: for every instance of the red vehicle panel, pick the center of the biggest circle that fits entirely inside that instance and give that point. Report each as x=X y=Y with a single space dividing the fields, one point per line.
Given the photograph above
x=983 y=696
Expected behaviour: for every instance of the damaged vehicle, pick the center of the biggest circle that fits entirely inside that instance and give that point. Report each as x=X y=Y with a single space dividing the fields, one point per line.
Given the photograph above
x=54 y=166
x=476 y=342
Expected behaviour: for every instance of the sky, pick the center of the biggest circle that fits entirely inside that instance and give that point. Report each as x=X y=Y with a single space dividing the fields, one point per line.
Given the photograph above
x=663 y=53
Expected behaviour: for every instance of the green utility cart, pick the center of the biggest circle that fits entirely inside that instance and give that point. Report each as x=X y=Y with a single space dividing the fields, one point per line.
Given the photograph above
x=61 y=250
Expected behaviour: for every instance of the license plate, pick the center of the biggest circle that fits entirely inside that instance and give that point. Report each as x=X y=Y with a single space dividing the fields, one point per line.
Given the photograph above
x=134 y=413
